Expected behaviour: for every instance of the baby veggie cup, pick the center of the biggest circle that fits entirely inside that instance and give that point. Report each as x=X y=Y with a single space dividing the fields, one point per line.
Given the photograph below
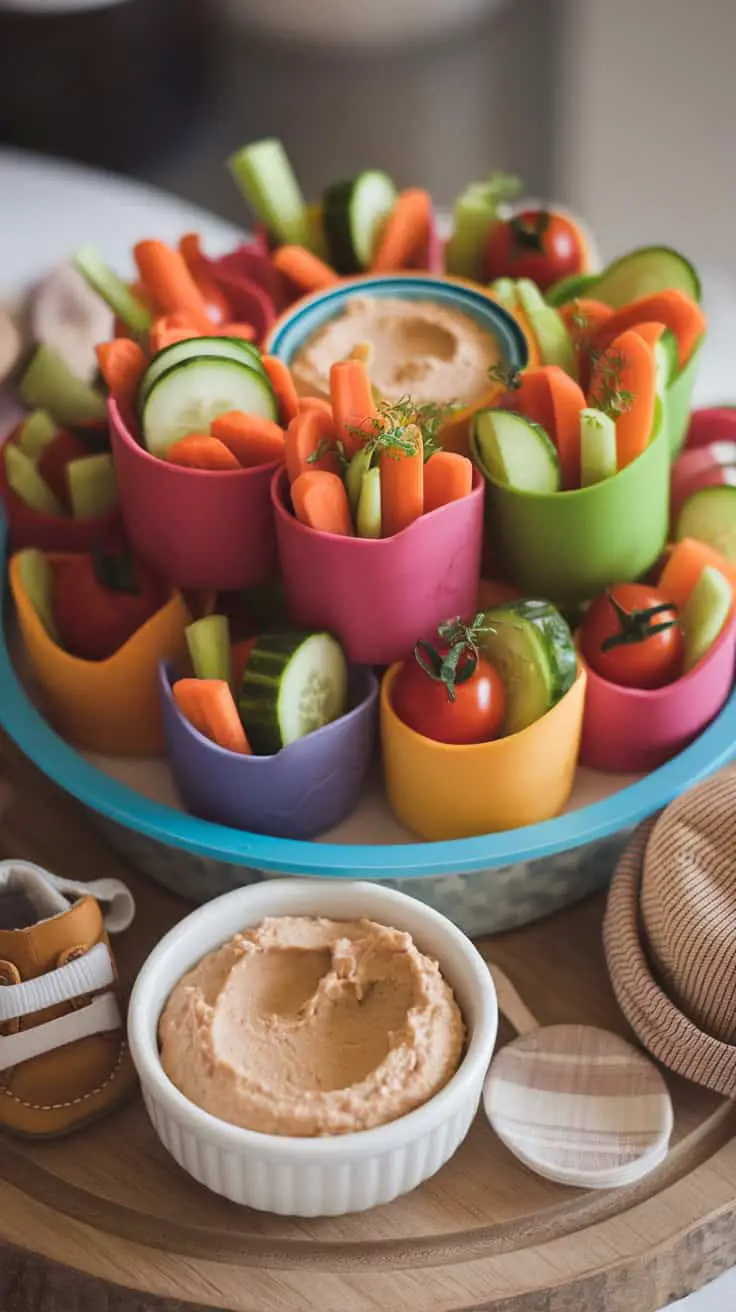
x=304 y=790
x=440 y=791
x=379 y=595
x=294 y=329
x=197 y=528
x=635 y=730
x=28 y=527
x=569 y=546
x=111 y=706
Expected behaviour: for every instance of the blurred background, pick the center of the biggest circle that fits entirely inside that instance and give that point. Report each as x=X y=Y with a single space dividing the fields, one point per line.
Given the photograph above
x=625 y=111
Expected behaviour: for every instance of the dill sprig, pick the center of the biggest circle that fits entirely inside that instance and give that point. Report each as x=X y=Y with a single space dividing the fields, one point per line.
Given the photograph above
x=396 y=423
x=507 y=375
x=609 y=396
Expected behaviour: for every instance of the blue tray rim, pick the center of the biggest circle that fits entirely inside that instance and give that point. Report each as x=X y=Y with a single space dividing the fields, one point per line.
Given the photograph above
x=715 y=747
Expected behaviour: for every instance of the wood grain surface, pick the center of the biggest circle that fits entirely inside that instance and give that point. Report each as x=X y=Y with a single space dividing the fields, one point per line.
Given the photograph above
x=107 y=1222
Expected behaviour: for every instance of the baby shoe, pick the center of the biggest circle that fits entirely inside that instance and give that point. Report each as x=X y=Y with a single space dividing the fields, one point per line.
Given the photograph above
x=63 y=1056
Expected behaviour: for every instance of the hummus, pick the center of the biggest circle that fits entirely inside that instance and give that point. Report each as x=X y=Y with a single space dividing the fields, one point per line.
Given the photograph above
x=312 y=1027
x=429 y=351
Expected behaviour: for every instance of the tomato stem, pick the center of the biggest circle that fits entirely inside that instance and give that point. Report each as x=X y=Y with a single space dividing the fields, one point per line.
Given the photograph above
x=460 y=661
x=636 y=625
x=527 y=232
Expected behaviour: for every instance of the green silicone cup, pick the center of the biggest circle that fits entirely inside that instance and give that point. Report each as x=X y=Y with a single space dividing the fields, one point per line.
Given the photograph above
x=568 y=546
x=678 y=403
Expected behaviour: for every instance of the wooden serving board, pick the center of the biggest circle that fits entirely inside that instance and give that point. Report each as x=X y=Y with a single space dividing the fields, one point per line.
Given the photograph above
x=106 y=1222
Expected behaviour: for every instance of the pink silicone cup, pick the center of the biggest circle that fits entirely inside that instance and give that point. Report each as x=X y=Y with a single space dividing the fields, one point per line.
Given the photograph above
x=634 y=730
x=712 y=424
x=249 y=302
x=251 y=262
x=198 y=528
x=379 y=597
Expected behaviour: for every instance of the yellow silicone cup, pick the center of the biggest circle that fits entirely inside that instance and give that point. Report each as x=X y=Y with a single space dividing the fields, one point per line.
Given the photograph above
x=113 y=706
x=440 y=791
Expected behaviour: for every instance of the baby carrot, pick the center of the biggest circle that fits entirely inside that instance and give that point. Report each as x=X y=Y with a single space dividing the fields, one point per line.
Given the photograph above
x=624 y=386
x=315 y=403
x=402 y=485
x=169 y=283
x=170 y=328
x=405 y=230
x=353 y=405
x=279 y=376
x=244 y=330
x=122 y=365
x=677 y=311
x=568 y=399
x=303 y=268
x=448 y=476
x=252 y=439
x=209 y=706
x=684 y=566
x=190 y=249
x=201 y=451
x=320 y=501
x=311 y=431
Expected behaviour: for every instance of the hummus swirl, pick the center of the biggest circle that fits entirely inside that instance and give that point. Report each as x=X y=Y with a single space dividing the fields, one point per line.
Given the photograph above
x=423 y=349
x=306 y=1026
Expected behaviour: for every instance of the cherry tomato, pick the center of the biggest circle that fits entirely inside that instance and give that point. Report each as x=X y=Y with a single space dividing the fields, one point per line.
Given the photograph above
x=534 y=244
x=423 y=702
x=99 y=601
x=645 y=638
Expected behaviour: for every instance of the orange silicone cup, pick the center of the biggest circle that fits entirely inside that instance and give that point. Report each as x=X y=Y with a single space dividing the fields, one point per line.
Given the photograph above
x=441 y=791
x=112 y=706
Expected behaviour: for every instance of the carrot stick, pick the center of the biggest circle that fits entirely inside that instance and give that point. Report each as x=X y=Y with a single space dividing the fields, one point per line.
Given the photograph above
x=650 y=332
x=624 y=384
x=448 y=476
x=304 y=269
x=170 y=328
x=239 y=657
x=353 y=405
x=209 y=706
x=568 y=399
x=170 y=284
x=279 y=376
x=190 y=249
x=533 y=399
x=122 y=365
x=200 y=451
x=678 y=312
x=244 y=330
x=309 y=432
x=583 y=318
x=685 y=564
x=404 y=231
x=315 y=403
x=402 y=486
x=320 y=501
x=252 y=439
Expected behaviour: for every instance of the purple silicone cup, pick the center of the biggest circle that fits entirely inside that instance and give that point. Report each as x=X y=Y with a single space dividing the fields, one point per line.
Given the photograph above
x=301 y=792
x=379 y=596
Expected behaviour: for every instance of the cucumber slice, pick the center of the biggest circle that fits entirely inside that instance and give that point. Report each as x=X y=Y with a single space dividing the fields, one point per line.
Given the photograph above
x=368 y=516
x=190 y=395
x=220 y=348
x=598 y=457
x=704 y=614
x=122 y=301
x=354 y=213
x=293 y=684
x=37 y=432
x=533 y=650
x=27 y=483
x=553 y=339
x=38 y=583
x=47 y=383
x=568 y=289
x=646 y=271
x=710 y=516
x=263 y=173
x=512 y=450
x=208 y=641
x=359 y=465
x=92 y=487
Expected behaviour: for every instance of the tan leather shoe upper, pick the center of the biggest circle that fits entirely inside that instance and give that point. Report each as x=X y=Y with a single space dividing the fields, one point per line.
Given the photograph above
x=63 y=1057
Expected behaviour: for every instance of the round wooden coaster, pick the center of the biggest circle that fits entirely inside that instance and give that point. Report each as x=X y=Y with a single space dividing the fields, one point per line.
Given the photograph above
x=579 y=1105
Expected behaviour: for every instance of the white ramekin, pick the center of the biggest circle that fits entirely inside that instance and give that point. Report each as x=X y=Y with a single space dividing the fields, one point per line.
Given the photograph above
x=342 y=1173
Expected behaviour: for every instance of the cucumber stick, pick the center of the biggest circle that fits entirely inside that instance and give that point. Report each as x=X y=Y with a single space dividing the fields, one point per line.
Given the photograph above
x=553 y=339
x=710 y=516
x=190 y=395
x=704 y=614
x=38 y=583
x=264 y=175
x=37 y=432
x=511 y=449
x=27 y=483
x=92 y=486
x=532 y=648
x=354 y=213
x=122 y=301
x=219 y=348
x=47 y=383
x=208 y=642
x=293 y=684
x=368 y=515
x=359 y=465
x=598 y=458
